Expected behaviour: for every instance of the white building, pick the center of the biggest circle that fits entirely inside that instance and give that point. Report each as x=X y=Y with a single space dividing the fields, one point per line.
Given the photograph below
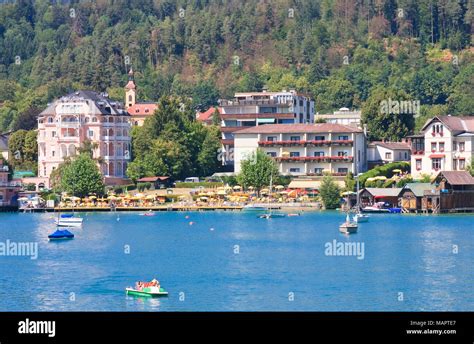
x=344 y=116
x=386 y=152
x=444 y=144
x=305 y=149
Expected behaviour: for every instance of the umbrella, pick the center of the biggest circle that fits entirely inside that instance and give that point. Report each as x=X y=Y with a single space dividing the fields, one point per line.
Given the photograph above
x=237 y=187
x=370 y=179
x=93 y=197
x=221 y=192
x=251 y=187
x=150 y=197
x=279 y=187
x=74 y=198
x=264 y=191
x=397 y=170
x=347 y=193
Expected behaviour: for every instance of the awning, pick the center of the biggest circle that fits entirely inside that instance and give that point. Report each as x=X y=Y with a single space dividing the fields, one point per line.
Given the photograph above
x=265 y=120
x=436 y=156
x=310 y=184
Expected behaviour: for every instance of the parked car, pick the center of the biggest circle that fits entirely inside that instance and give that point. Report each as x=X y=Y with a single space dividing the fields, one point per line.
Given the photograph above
x=192 y=180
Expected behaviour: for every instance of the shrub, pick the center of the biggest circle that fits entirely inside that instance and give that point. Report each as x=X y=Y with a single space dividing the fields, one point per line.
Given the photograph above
x=141 y=187
x=148 y=185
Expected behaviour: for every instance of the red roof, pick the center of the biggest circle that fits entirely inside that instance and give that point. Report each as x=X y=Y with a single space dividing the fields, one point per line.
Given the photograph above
x=207 y=115
x=142 y=109
x=152 y=179
x=299 y=128
x=130 y=85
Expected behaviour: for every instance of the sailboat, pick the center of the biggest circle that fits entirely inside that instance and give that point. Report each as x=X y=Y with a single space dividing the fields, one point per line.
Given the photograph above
x=61 y=234
x=271 y=214
x=348 y=227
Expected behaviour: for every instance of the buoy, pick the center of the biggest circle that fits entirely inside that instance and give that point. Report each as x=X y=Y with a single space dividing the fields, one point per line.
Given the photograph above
x=191 y=223
x=186 y=217
x=211 y=229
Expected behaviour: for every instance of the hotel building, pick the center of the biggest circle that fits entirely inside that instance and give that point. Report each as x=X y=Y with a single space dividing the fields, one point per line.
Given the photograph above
x=305 y=149
x=84 y=115
x=257 y=108
x=445 y=143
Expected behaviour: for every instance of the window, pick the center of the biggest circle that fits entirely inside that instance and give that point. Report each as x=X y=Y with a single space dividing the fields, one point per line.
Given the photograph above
x=294 y=169
x=461 y=146
x=455 y=164
x=455 y=146
x=462 y=164
x=406 y=156
x=320 y=138
x=44 y=171
x=130 y=98
x=388 y=155
x=271 y=138
x=436 y=164
x=53 y=153
x=358 y=156
x=399 y=155
x=441 y=146
x=87 y=120
x=433 y=146
x=342 y=170
x=418 y=164
x=318 y=153
x=272 y=154
x=94 y=119
x=53 y=134
x=318 y=170
x=343 y=137
x=341 y=153
x=50 y=119
x=294 y=138
x=90 y=133
x=294 y=154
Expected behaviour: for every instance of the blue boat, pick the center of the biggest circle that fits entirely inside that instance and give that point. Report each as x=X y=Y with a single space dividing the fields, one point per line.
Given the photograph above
x=61 y=234
x=66 y=216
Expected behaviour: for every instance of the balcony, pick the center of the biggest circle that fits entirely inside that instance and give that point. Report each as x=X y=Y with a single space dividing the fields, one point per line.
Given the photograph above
x=311 y=143
x=10 y=184
x=257 y=115
x=316 y=159
x=68 y=138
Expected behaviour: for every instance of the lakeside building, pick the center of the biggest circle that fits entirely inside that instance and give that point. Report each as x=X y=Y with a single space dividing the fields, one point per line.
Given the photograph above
x=138 y=110
x=305 y=149
x=381 y=153
x=8 y=189
x=344 y=116
x=445 y=143
x=79 y=116
x=251 y=109
x=4 y=153
x=207 y=117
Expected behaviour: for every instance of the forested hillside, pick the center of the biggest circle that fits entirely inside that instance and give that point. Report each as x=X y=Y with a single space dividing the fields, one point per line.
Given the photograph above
x=340 y=51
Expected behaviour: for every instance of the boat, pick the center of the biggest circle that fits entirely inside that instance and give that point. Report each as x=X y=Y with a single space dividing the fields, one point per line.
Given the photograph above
x=360 y=217
x=294 y=214
x=69 y=222
x=270 y=216
x=147 y=289
x=254 y=207
x=376 y=208
x=61 y=234
x=66 y=216
x=148 y=213
x=348 y=227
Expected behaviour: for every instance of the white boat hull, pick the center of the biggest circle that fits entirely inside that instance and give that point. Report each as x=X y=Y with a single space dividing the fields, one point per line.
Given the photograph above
x=68 y=224
x=348 y=228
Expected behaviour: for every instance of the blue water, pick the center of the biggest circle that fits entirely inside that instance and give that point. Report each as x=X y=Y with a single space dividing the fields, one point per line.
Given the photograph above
x=243 y=264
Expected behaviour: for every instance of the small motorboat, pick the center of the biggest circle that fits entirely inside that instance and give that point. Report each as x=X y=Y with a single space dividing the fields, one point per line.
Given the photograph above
x=69 y=221
x=254 y=207
x=348 y=227
x=61 y=234
x=270 y=216
x=295 y=214
x=148 y=213
x=147 y=289
x=359 y=218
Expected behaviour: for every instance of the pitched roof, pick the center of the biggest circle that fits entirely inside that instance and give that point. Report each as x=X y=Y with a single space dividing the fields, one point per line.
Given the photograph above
x=299 y=129
x=456 y=177
x=384 y=192
x=457 y=124
x=207 y=115
x=392 y=145
x=99 y=103
x=152 y=179
x=130 y=85
x=418 y=188
x=142 y=109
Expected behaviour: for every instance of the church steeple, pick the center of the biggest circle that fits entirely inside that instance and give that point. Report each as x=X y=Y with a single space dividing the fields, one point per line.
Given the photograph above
x=130 y=90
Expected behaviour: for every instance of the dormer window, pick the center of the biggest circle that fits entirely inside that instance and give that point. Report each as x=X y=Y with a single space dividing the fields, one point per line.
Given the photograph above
x=146 y=110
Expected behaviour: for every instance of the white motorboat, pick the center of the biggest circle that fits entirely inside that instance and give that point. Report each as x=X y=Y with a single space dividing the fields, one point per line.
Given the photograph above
x=359 y=218
x=69 y=222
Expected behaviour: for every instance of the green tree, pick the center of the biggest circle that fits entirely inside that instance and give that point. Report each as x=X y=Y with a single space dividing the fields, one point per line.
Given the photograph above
x=257 y=170
x=208 y=154
x=330 y=193
x=82 y=177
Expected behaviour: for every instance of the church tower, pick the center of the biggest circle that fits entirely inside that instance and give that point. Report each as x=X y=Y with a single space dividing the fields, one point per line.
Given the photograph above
x=130 y=91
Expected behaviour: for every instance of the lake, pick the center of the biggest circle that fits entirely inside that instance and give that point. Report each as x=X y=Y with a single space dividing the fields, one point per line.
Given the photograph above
x=232 y=261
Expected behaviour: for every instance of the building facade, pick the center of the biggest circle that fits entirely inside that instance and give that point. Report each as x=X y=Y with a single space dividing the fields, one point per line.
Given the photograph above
x=445 y=143
x=8 y=189
x=380 y=153
x=344 y=116
x=305 y=149
x=251 y=109
x=80 y=116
